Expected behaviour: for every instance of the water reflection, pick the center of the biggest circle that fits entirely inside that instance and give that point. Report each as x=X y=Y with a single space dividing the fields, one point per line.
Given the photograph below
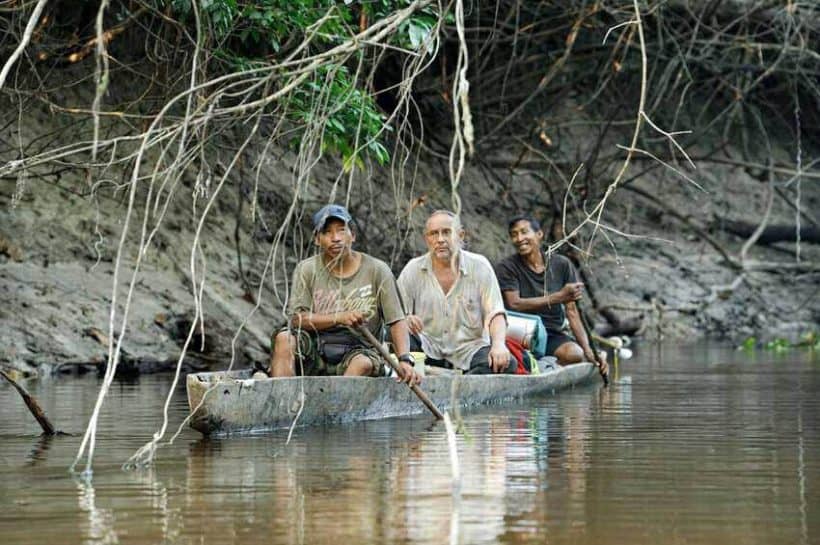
x=801 y=477
x=391 y=481
x=100 y=522
x=39 y=451
x=698 y=447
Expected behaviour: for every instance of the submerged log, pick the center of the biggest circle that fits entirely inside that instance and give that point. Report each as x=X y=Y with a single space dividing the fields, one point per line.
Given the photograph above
x=32 y=405
x=615 y=324
x=627 y=326
x=772 y=233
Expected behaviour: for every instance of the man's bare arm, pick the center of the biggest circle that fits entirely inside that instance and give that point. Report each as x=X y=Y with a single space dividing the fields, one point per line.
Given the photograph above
x=320 y=322
x=499 y=356
x=577 y=327
x=400 y=337
x=498 y=329
x=569 y=293
x=401 y=344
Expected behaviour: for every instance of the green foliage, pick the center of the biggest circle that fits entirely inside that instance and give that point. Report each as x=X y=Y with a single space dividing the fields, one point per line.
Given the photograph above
x=247 y=33
x=808 y=340
x=778 y=345
x=350 y=110
x=412 y=32
x=749 y=344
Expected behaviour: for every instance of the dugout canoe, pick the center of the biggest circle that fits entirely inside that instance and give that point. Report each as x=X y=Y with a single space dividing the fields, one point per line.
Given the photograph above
x=229 y=403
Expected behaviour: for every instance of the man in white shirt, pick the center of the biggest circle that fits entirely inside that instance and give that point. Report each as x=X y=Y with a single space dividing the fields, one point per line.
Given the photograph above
x=454 y=304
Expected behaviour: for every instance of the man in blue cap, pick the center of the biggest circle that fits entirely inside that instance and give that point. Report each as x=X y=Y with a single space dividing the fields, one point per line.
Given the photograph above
x=332 y=294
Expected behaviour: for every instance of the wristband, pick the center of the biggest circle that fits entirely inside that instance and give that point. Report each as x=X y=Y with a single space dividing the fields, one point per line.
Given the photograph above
x=407 y=358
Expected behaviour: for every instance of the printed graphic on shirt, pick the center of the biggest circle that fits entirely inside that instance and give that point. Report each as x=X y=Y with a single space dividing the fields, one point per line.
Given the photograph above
x=329 y=300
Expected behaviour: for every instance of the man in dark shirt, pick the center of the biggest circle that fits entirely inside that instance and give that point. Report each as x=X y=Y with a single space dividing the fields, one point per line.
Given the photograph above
x=533 y=283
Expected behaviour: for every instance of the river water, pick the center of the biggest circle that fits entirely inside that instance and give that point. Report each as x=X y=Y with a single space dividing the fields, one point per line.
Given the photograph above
x=689 y=445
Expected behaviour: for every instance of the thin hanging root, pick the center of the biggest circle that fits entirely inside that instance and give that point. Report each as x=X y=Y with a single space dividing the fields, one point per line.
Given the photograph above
x=310 y=152
x=594 y=216
x=32 y=22
x=799 y=168
x=145 y=455
x=463 y=134
x=100 y=76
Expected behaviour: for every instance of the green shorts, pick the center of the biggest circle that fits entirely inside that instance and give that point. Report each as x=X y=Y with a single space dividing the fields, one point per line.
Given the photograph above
x=311 y=355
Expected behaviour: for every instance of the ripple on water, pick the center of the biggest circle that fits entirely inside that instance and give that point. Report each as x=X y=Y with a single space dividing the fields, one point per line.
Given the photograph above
x=691 y=446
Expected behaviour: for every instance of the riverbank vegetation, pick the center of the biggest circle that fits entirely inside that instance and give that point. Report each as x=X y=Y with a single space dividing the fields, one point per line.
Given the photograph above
x=557 y=105
x=808 y=340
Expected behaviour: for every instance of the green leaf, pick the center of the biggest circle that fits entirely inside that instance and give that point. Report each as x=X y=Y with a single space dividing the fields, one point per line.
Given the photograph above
x=417 y=34
x=749 y=344
x=381 y=153
x=808 y=339
x=778 y=345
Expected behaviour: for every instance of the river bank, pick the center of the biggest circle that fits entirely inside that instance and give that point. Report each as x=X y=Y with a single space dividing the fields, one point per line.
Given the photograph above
x=221 y=236
x=58 y=243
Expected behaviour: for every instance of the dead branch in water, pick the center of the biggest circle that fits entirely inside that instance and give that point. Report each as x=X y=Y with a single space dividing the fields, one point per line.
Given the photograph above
x=33 y=406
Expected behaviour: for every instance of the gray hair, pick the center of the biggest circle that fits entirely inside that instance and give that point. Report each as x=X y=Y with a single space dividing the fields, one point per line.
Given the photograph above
x=443 y=211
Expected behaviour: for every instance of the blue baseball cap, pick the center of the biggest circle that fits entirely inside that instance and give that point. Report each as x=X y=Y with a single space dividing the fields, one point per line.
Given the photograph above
x=330 y=211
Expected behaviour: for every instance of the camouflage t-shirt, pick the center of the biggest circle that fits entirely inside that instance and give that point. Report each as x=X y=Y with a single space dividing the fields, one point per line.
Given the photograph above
x=371 y=290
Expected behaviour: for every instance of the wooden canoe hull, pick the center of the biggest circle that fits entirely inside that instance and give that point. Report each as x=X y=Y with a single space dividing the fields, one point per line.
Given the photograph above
x=234 y=403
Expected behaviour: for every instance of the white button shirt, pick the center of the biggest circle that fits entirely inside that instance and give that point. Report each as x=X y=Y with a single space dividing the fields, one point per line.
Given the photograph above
x=455 y=324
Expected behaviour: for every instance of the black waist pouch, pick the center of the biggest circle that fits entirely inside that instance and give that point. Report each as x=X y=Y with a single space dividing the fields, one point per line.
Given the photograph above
x=333 y=346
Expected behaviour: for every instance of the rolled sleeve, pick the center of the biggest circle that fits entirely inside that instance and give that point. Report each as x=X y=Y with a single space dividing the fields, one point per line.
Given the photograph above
x=491 y=301
x=300 y=298
x=507 y=279
x=389 y=298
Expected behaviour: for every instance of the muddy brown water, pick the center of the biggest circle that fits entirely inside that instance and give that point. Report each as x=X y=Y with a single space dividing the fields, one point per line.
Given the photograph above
x=689 y=445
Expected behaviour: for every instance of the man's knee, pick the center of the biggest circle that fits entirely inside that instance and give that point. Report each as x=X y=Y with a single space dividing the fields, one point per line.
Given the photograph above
x=283 y=342
x=569 y=352
x=282 y=355
x=360 y=365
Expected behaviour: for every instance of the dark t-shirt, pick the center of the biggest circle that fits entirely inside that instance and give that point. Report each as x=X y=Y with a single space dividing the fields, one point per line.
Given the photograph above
x=514 y=275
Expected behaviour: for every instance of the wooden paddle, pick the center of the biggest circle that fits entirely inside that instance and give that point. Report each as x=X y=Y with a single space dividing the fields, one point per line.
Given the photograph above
x=591 y=341
x=397 y=368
